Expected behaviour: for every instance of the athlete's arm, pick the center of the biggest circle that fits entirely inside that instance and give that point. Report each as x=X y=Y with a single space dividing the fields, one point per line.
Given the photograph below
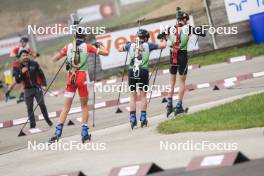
x=154 y=46
x=162 y=44
x=103 y=51
x=33 y=54
x=13 y=53
x=124 y=47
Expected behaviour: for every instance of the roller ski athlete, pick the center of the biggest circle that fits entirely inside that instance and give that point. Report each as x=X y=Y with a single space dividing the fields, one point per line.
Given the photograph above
x=138 y=73
x=179 y=60
x=23 y=45
x=77 y=56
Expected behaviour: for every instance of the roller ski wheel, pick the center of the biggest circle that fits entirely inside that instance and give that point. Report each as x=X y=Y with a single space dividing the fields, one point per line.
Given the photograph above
x=133 y=124
x=144 y=123
x=169 y=111
x=54 y=139
x=180 y=111
x=86 y=138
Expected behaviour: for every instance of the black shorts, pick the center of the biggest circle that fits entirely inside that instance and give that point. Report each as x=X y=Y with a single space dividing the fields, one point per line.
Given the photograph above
x=182 y=66
x=140 y=82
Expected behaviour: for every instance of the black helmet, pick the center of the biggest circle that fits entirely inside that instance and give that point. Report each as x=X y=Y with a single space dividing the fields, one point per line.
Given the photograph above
x=180 y=15
x=143 y=33
x=81 y=32
x=24 y=38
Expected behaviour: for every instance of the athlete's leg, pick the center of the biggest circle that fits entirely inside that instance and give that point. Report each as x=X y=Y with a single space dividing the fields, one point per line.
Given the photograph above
x=172 y=82
x=143 y=115
x=183 y=69
x=132 y=83
x=65 y=110
x=182 y=80
x=83 y=94
x=144 y=88
x=143 y=96
x=171 y=85
x=173 y=73
x=85 y=109
x=133 y=100
x=69 y=94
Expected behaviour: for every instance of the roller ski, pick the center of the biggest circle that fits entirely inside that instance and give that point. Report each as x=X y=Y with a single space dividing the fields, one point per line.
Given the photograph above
x=85 y=135
x=57 y=134
x=143 y=119
x=180 y=110
x=133 y=120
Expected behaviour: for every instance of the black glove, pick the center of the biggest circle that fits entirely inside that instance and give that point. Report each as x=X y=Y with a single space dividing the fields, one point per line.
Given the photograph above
x=163 y=35
x=98 y=44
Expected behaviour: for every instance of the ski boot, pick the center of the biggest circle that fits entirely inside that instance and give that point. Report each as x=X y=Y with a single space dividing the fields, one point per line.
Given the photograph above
x=57 y=134
x=179 y=109
x=133 y=120
x=143 y=119
x=85 y=135
x=169 y=110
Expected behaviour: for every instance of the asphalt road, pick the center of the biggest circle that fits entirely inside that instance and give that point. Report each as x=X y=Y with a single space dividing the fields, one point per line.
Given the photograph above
x=124 y=146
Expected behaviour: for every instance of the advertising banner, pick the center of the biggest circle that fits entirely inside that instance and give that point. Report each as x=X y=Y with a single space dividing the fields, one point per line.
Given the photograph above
x=240 y=10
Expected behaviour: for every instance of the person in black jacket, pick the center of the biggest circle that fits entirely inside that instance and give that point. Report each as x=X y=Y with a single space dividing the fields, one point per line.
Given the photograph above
x=33 y=80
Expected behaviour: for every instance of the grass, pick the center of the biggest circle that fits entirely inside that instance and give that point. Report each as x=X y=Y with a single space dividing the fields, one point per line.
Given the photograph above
x=222 y=56
x=244 y=113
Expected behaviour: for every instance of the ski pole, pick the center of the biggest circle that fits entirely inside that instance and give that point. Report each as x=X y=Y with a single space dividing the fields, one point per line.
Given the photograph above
x=157 y=68
x=154 y=68
x=21 y=131
x=94 y=74
x=118 y=110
